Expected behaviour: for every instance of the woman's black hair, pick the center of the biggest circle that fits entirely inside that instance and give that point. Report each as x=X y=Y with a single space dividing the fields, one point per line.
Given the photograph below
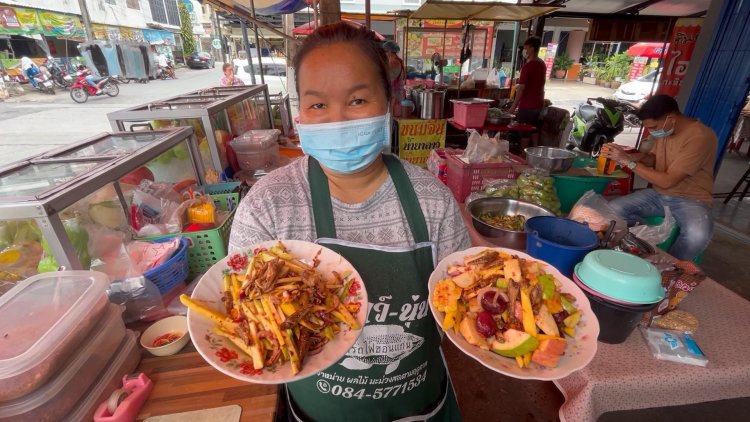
x=341 y=32
x=657 y=107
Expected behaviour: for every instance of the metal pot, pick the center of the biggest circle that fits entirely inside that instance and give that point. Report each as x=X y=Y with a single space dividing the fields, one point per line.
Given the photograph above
x=505 y=206
x=555 y=160
x=416 y=96
x=432 y=104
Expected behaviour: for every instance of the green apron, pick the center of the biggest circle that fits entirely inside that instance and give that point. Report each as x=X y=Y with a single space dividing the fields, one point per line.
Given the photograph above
x=395 y=370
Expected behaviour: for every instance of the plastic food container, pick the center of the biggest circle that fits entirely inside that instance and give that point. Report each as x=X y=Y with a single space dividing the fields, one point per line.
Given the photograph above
x=59 y=395
x=43 y=320
x=124 y=362
x=621 y=276
x=256 y=152
x=470 y=113
x=616 y=321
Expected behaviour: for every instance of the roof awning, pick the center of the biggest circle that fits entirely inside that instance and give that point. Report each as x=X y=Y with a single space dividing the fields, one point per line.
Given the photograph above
x=480 y=10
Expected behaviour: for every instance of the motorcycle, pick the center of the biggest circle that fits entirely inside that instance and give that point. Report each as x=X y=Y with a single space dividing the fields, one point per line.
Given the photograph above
x=630 y=114
x=167 y=72
x=59 y=75
x=81 y=90
x=43 y=82
x=596 y=125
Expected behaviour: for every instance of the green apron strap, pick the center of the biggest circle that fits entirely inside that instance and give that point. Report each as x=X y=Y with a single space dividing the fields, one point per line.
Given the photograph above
x=321 y=200
x=409 y=201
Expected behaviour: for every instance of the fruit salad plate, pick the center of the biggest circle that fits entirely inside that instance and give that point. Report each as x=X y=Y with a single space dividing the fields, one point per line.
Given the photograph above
x=579 y=348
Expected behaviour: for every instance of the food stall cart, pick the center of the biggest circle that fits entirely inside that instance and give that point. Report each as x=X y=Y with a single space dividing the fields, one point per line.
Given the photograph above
x=216 y=115
x=442 y=48
x=44 y=200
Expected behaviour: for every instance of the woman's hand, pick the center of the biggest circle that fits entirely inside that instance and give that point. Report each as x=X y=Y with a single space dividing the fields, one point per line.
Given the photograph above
x=616 y=153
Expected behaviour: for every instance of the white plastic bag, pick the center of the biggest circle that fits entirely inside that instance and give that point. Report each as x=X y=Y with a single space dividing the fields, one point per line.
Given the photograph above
x=655 y=234
x=594 y=210
x=483 y=149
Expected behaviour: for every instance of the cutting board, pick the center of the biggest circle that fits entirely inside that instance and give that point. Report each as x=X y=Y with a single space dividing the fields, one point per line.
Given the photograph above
x=185 y=382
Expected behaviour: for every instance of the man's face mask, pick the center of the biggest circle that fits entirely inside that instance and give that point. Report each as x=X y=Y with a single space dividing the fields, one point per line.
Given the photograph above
x=663 y=133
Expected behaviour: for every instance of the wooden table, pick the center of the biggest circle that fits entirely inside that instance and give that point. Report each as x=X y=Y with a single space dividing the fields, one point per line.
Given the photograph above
x=186 y=382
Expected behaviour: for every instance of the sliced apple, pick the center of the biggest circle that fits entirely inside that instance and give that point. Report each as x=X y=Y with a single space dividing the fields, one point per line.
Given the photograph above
x=512 y=270
x=546 y=322
x=465 y=280
x=572 y=320
x=517 y=343
x=468 y=329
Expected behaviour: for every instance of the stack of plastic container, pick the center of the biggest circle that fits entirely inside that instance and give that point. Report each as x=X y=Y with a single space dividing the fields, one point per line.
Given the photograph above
x=60 y=340
x=257 y=149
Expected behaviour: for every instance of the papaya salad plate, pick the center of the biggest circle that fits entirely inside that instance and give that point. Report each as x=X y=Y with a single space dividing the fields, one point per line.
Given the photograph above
x=279 y=312
x=514 y=314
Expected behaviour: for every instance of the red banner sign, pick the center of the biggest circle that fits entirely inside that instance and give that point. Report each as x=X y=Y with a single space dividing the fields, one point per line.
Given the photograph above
x=549 y=58
x=636 y=69
x=680 y=51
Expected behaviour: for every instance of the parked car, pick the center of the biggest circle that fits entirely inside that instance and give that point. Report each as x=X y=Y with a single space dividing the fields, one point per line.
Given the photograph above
x=274 y=73
x=200 y=60
x=639 y=90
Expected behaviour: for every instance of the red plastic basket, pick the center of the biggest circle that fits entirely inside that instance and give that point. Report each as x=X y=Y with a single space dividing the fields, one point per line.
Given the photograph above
x=464 y=178
x=470 y=115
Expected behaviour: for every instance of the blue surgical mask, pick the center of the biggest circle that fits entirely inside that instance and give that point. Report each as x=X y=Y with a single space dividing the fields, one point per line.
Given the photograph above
x=348 y=146
x=661 y=133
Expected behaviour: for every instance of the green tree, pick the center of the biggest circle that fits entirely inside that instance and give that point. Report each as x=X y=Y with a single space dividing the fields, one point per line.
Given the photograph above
x=186 y=30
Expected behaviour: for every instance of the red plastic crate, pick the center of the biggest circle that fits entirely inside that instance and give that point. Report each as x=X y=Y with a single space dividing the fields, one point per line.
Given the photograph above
x=464 y=178
x=470 y=115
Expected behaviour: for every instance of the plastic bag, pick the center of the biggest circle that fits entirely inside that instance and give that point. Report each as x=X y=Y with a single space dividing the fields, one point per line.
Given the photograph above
x=140 y=297
x=674 y=346
x=483 y=149
x=146 y=256
x=175 y=306
x=656 y=234
x=536 y=186
x=594 y=210
x=501 y=188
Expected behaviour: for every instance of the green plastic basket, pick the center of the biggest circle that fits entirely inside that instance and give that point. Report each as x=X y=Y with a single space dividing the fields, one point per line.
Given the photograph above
x=571 y=188
x=222 y=194
x=206 y=246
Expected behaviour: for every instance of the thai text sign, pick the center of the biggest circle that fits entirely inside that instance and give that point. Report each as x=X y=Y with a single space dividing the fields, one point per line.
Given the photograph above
x=680 y=51
x=416 y=138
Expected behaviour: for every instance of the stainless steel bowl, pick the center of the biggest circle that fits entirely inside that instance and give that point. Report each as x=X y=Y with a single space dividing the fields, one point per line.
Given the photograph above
x=504 y=206
x=555 y=160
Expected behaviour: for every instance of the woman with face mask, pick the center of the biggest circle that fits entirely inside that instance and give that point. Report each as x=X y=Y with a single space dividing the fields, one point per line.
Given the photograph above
x=679 y=167
x=390 y=219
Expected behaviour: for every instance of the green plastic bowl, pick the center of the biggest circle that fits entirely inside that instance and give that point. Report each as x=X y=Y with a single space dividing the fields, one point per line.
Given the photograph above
x=571 y=188
x=621 y=276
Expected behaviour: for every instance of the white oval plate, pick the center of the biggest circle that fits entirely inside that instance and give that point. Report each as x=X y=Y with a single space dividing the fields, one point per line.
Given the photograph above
x=579 y=352
x=208 y=292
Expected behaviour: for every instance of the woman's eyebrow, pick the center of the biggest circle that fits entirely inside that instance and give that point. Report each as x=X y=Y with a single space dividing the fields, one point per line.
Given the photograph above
x=358 y=87
x=313 y=93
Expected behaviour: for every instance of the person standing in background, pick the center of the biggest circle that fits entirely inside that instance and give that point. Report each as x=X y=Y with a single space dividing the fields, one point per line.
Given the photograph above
x=529 y=98
x=229 y=79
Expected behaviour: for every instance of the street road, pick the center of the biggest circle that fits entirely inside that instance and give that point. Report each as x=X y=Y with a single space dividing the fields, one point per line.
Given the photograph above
x=35 y=122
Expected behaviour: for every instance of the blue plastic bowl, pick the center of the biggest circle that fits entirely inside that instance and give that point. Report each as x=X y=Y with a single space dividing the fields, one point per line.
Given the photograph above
x=621 y=276
x=559 y=241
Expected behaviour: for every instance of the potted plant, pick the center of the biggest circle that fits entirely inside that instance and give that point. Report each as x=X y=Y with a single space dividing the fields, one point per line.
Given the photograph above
x=563 y=62
x=616 y=69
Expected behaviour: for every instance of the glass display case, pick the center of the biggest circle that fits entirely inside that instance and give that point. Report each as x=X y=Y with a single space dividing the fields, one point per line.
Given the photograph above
x=58 y=206
x=217 y=115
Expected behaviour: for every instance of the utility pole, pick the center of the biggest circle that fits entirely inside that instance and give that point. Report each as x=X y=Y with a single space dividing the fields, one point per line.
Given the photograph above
x=86 y=20
x=330 y=11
